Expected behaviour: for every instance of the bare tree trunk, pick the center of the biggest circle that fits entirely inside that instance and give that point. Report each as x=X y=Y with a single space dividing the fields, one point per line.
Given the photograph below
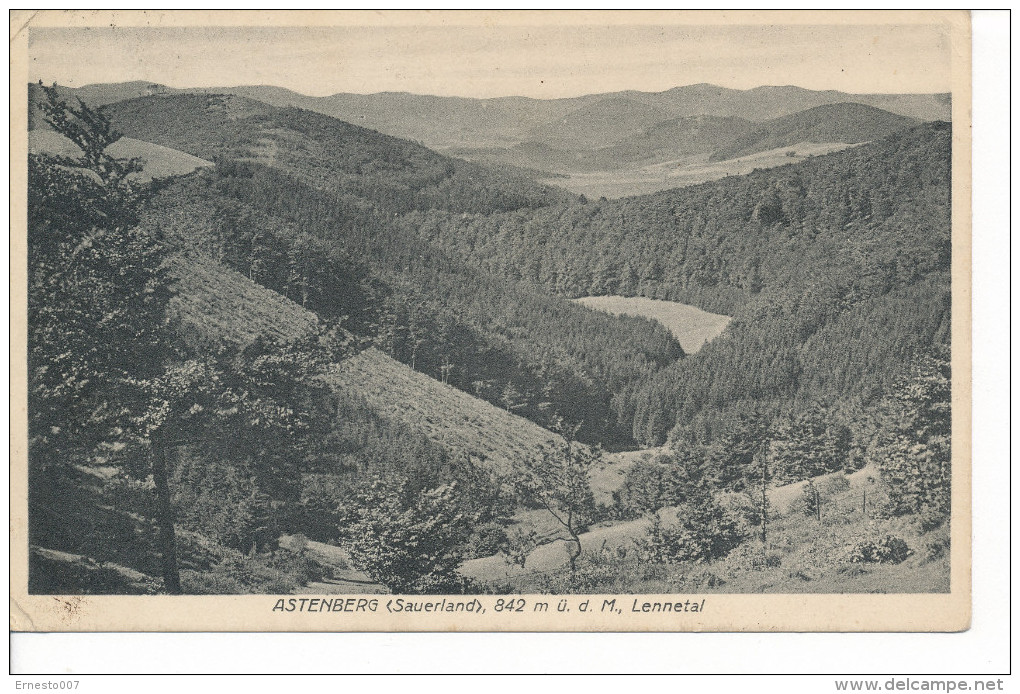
x=167 y=540
x=575 y=552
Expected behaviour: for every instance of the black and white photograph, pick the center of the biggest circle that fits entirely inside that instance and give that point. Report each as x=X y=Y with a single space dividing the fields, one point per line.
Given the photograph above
x=547 y=321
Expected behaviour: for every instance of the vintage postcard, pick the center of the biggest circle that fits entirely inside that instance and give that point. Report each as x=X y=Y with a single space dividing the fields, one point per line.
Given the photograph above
x=491 y=321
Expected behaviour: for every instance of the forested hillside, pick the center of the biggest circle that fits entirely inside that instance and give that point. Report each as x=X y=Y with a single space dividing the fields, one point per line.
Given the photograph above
x=383 y=172
x=802 y=257
x=836 y=271
x=180 y=421
x=506 y=341
x=297 y=226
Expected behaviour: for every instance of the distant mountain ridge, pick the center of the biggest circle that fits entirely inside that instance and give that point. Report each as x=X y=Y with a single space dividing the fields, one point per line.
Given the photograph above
x=669 y=140
x=441 y=121
x=613 y=144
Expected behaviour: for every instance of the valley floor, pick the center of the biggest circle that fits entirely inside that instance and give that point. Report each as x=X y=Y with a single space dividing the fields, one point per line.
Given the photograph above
x=652 y=178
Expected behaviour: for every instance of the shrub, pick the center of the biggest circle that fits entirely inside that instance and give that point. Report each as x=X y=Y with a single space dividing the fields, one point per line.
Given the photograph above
x=597 y=571
x=411 y=543
x=275 y=574
x=851 y=570
x=703 y=578
x=807 y=501
x=293 y=543
x=703 y=531
x=297 y=564
x=834 y=484
x=889 y=549
x=518 y=545
x=937 y=543
x=488 y=540
x=746 y=508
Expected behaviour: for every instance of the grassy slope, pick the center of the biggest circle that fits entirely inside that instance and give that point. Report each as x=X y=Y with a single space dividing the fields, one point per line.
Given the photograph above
x=460 y=422
x=220 y=303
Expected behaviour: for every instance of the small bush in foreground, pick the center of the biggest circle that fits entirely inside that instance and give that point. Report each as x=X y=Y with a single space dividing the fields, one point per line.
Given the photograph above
x=702 y=532
x=886 y=550
x=411 y=543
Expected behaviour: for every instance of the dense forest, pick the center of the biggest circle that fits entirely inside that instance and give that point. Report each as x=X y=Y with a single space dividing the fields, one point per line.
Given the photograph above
x=802 y=256
x=836 y=272
x=174 y=417
x=299 y=229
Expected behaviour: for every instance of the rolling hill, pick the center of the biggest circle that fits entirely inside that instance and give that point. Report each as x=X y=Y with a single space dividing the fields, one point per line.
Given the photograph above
x=326 y=153
x=673 y=139
x=846 y=123
x=596 y=145
x=768 y=102
x=443 y=122
x=676 y=139
x=599 y=124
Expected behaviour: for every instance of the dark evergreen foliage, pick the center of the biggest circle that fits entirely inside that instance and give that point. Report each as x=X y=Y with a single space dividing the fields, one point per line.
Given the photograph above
x=836 y=271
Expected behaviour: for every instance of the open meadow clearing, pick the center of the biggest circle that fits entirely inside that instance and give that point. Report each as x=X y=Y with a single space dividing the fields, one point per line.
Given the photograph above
x=651 y=178
x=157 y=161
x=691 y=326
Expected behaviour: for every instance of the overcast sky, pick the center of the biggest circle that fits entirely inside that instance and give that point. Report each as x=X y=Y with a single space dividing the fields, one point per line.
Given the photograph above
x=475 y=61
